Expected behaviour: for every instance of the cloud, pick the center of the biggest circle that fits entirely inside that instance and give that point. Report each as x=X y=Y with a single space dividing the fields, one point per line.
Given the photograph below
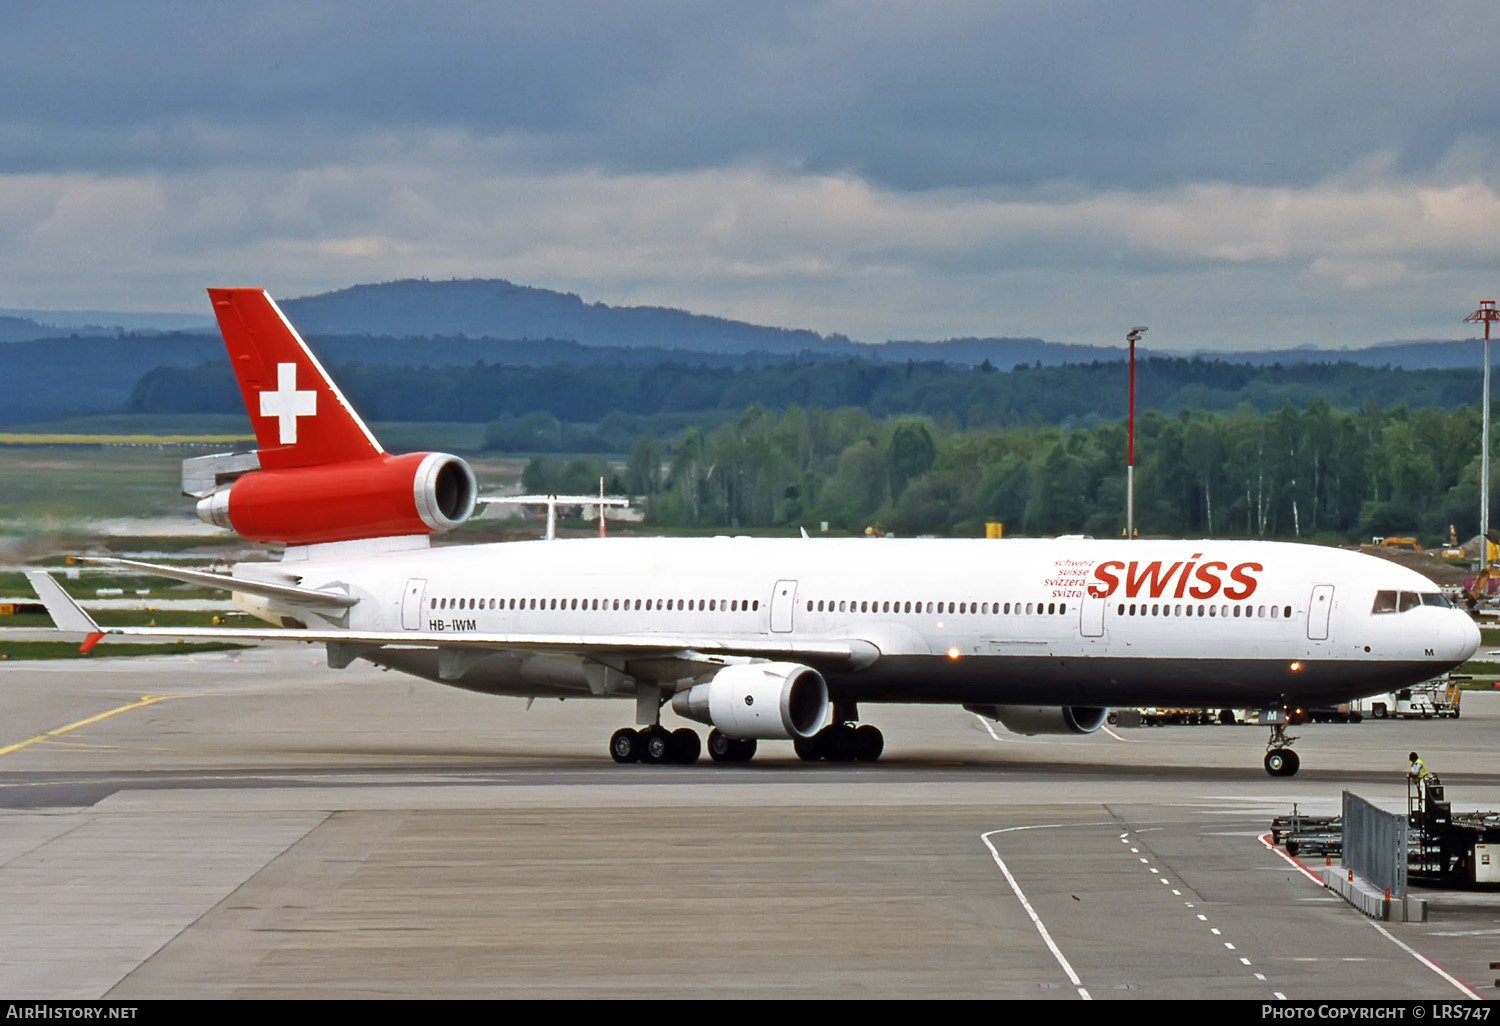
x=830 y=252
x=1228 y=172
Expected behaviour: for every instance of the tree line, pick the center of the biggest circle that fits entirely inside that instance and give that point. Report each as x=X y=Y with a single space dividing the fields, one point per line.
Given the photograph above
x=1297 y=472
x=980 y=396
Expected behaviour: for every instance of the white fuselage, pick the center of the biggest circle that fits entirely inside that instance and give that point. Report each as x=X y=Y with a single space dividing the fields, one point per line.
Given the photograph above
x=1018 y=621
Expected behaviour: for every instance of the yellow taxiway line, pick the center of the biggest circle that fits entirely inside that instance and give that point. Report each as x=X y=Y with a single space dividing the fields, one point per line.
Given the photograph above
x=144 y=701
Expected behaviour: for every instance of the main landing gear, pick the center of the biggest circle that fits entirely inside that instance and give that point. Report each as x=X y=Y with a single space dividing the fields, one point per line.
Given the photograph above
x=681 y=746
x=842 y=740
x=656 y=745
x=1281 y=761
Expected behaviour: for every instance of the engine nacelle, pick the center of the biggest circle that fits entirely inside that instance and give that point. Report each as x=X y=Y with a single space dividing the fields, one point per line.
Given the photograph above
x=1044 y=719
x=765 y=701
x=417 y=493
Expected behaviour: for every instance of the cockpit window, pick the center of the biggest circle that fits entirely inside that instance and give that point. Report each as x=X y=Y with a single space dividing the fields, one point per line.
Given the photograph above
x=1401 y=601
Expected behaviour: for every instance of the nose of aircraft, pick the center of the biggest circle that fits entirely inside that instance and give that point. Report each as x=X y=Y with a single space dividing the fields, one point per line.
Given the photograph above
x=1459 y=638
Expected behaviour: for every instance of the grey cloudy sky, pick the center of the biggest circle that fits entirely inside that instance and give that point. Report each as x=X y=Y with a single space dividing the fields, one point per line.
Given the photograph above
x=1232 y=174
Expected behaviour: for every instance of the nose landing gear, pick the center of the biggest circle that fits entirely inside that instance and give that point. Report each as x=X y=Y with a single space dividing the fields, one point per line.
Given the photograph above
x=1281 y=761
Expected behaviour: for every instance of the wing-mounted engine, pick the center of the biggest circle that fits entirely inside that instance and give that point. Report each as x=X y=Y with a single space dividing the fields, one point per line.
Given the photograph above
x=380 y=496
x=765 y=701
x=1045 y=719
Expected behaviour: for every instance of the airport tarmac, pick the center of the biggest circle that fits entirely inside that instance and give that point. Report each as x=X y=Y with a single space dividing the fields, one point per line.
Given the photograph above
x=256 y=825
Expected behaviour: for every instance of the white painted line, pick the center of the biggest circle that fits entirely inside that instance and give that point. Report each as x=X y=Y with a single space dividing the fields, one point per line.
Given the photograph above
x=1035 y=919
x=1265 y=840
x=986 y=725
x=1429 y=963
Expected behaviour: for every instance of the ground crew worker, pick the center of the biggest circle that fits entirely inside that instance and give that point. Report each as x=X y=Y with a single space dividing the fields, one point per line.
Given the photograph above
x=1417 y=771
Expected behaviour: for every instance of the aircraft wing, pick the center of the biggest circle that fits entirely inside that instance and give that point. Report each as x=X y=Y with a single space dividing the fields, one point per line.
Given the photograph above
x=842 y=654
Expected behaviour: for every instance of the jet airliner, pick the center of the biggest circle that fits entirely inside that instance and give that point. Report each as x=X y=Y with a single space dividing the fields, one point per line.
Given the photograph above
x=766 y=639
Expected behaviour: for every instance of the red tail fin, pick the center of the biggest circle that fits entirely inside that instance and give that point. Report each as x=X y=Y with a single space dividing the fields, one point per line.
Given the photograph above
x=300 y=417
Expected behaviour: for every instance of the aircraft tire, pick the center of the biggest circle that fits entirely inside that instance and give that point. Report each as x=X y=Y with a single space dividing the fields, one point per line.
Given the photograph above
x=1283 y=762
x=625 y=745
x=686 y=746
x=720 y=747
x=807 y=748
x=869 y=743
x=656 y=745
x=837 y=742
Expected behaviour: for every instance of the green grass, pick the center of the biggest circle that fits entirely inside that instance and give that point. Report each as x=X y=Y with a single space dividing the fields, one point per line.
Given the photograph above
x=1480 y=668
x=18 y=650
x=134 y=618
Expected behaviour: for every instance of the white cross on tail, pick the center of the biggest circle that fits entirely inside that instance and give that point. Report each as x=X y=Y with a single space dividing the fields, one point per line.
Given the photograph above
x=286 y=404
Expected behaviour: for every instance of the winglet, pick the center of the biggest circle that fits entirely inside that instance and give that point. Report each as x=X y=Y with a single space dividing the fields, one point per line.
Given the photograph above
x=66 y=614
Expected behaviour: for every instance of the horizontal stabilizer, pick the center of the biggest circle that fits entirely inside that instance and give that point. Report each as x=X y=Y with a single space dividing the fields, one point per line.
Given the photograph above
x=285 y=592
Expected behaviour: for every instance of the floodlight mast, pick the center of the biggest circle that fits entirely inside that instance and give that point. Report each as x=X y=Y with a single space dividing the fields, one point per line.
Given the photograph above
x=1486 y=314
x=1133 y=336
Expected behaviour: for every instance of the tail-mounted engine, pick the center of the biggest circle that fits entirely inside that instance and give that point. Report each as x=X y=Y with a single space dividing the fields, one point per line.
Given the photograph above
x=385 y=495
x=1046 y=719
x=766 y=701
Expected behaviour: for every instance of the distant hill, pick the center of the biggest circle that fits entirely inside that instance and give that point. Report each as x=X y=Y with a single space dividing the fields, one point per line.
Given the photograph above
x=22 y=329
x=58 y=363
x=498 y=309
x=501 y=310
x=1410 y=355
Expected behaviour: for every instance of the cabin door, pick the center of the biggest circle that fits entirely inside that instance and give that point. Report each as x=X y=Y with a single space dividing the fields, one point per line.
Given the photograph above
x=1318 y=609
x=782 y=602
x=1091 y=615
x=411 y=603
